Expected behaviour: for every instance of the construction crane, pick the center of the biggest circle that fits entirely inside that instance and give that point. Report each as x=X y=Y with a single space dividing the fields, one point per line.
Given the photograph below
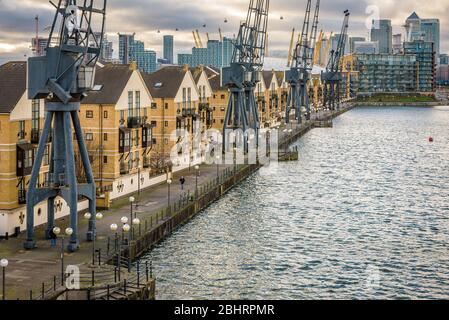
x=242 y=76
x=316 y=55
x=195 y=40
x=221 y=35
x=327 y=50
x=63 y=77
x=290 y=48
x=200 y=43
x=301 y=67
x=332 y=77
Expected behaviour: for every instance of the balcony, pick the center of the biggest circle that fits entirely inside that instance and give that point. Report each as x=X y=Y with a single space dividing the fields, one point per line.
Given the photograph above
x=134 y=122
x=124 y=169
x=124 y=140
x=22 y=197
x=35 y=135
x=25 y=159
x=188 y=112
x=204 y=106
x=146 y=162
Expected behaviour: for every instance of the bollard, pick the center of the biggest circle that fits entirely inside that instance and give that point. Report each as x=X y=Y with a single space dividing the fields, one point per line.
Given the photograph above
x=124 y=286
x=93 y=278
x=109 y=244
x=108 y=292
x=151 y=269
x=99 y=257
x=146 y=270
x=54 y=283
x=31 y=294
x=138 y=274
x=43 y=291
x=115 y=275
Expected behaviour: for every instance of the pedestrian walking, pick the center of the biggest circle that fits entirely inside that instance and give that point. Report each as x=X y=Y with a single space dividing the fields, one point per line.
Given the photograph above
x=182 y=181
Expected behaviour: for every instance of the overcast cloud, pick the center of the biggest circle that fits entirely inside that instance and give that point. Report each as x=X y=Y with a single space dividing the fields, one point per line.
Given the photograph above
x=146 y=17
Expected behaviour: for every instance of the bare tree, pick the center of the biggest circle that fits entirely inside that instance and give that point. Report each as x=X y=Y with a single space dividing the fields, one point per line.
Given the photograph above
x=94 y=158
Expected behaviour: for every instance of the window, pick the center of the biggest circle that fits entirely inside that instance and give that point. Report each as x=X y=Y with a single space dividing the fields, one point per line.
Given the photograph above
x=137 y=138
x=89 y=136
x=154 y=123
x=223 y=97
x=166 y=140
x=28 y=161
x=154 y=141
x=105 y=136
x=105 y=159
x=89 y=114
x=166 y=124
x=136 y=158
x=166 y=106
x=184 y=97
x=35 y=110
x=130 y=103
x=189 y=96
x=46 y=159
x=137 y=104
x=153 y=105
x=105 y=114
x=122 y=115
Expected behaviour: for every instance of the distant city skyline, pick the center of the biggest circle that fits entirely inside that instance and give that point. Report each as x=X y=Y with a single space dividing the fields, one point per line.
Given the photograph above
x=17 y=24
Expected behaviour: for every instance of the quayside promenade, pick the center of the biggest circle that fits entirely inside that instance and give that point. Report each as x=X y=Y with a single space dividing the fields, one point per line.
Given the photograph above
x=37 y=274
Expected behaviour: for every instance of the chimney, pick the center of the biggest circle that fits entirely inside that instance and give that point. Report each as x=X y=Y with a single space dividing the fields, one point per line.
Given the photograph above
x=133 y=65
x=185 y=67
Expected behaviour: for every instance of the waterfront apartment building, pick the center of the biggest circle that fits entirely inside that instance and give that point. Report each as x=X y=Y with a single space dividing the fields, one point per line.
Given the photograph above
x=117 y=129
x=381 y=31
x=219 y=99
x=175 y=109
x=426 y=63
x=271 y=109
x=366 y=47
x=380 y=73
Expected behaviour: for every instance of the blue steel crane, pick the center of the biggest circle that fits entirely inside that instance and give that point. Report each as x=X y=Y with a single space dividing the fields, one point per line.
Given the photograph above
x=301 y=67
x=244 y=72
x=332 y=77
x=63 y=77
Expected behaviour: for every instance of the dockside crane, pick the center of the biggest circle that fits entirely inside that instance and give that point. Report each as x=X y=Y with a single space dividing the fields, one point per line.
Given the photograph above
x=301 y=66
x=332 y=77
x=63 y=77
x=243 y=74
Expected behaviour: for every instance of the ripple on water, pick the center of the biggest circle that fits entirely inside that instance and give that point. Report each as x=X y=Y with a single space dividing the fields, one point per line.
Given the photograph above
x=361 y=215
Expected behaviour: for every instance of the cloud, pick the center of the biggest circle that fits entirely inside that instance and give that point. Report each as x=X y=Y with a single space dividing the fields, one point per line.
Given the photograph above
x=146 y=17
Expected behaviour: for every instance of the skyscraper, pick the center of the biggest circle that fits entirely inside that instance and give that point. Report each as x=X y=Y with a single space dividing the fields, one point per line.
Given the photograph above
x=382 y=32
x=423 y=29
x=124 y=44
x=397 y=44
x=228 y=50
x=168 y=48
x=134 y=50
x=425 y=56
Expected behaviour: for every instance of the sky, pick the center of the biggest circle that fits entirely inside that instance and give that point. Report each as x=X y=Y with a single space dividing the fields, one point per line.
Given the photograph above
x=146 y=17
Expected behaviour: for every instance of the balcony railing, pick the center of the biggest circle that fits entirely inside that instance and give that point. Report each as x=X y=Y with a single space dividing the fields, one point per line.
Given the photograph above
x=21 y=135
x=134 y=122
x=146 y=162
x=204 y=106
x=22 y=197
x=35 y=135
x=124 y=169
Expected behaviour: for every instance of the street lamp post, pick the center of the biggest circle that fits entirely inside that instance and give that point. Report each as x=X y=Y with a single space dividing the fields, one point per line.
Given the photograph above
x=169 y=182
x=124 y=221
x=68 y=232
x=235 y=160
x=126 y=228
x=98 y=216
x=197 y=167
x=4 y=263
x=131 y=201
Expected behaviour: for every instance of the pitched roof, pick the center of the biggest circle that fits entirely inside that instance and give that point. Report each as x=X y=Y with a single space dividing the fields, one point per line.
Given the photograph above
x=13 y=77
x=280 y=77
x=213 y=74
x=165 y=82
x=413 y=16
x=113 y=79
x=267 y=77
